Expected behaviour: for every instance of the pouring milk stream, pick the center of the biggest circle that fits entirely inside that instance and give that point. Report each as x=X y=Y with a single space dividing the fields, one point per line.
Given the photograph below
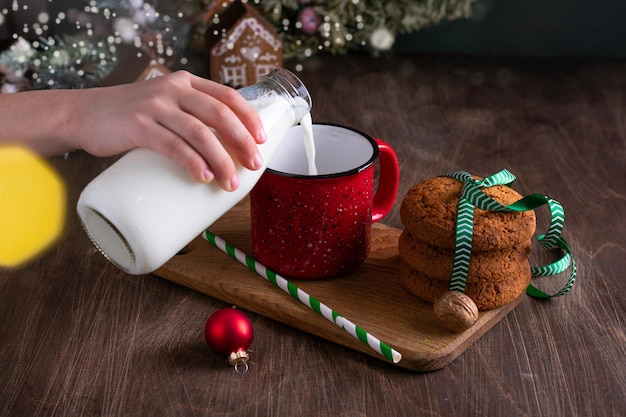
x=143 y=209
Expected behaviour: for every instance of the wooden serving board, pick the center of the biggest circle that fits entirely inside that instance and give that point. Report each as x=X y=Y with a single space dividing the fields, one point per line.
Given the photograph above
x=370 y=297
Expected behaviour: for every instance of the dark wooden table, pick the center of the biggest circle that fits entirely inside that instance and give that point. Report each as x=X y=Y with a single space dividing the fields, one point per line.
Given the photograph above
x=79 y=338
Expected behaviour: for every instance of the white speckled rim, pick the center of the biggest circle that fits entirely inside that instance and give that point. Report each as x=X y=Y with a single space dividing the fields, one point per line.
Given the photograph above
x=340 y=151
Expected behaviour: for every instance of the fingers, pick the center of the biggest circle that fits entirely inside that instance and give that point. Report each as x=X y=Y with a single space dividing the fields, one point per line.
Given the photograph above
x=226 y=125
x=240 y=107
x=234 y=121
x=211 y=126
x=218 y=165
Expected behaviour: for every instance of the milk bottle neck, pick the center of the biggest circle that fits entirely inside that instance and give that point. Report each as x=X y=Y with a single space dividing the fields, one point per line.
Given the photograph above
x=285 y=84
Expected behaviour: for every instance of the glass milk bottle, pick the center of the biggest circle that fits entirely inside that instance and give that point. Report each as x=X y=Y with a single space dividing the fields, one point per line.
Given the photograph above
x=143 y=209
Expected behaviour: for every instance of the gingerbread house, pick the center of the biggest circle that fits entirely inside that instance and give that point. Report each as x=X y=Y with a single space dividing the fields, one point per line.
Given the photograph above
x=134 y=65
x=240 y=44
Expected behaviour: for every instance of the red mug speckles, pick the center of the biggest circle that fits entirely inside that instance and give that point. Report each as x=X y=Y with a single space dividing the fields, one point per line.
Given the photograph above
x=320 y=226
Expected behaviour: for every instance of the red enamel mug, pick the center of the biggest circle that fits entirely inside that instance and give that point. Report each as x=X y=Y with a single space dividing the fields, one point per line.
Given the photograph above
x=319 y=226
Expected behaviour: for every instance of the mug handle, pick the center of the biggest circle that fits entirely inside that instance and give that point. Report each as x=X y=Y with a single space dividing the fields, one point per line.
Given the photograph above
x=388 y=182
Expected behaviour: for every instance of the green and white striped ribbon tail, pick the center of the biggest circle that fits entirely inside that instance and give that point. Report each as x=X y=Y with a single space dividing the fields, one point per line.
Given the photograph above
x=305 y=298
x=472 y=196
x=462 y=245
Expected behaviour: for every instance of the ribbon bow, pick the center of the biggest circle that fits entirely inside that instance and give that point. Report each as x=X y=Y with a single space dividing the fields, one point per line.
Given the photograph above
x=472 y=196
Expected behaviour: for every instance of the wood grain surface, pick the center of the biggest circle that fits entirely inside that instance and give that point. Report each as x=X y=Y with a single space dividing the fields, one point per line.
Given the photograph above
x=371 y=296
x=80 y=338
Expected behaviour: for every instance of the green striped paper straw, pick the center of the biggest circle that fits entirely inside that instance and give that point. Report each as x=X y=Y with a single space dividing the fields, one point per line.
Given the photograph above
x=306 y=299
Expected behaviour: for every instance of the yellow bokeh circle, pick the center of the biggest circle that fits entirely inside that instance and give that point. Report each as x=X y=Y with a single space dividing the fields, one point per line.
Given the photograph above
x=32 y=206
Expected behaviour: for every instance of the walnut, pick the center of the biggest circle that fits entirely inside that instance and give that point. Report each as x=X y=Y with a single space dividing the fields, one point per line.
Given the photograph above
x=455 y=311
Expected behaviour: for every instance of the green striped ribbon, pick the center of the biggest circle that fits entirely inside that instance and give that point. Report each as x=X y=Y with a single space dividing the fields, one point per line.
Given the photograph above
x=472 y=196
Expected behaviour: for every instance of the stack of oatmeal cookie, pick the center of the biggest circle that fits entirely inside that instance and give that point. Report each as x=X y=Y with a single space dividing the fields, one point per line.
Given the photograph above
x=499 y=270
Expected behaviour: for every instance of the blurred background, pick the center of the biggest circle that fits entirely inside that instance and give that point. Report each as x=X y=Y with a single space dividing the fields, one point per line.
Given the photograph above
x=528 y=27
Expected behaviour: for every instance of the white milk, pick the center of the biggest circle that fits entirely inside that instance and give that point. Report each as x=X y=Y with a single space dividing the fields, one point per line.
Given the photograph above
x=145 y=208
x=309 y=143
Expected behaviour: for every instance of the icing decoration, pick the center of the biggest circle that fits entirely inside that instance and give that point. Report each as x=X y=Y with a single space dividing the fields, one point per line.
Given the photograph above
x=239 y=30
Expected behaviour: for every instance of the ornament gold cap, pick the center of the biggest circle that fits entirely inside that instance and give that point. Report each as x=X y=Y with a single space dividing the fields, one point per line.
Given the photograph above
x=239 y=360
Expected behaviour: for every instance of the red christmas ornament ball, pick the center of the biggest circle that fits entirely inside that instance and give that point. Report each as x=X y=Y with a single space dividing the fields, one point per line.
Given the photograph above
x=228 y=330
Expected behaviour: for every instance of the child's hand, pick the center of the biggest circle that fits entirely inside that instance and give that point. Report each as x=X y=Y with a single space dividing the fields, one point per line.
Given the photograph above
x=198 y=123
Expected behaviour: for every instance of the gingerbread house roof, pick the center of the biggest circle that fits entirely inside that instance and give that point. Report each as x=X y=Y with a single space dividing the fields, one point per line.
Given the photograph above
x=240 y=44
x=222 y=21
x=134 y=65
